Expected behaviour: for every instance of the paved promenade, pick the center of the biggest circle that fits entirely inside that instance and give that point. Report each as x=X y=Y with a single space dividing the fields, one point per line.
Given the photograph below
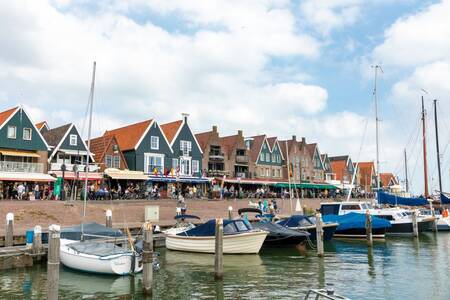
x=27 y=214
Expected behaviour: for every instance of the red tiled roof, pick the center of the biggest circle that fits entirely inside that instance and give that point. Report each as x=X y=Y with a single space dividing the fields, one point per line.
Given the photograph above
x=202 y=139
x=228 y=142
x=271 y=142
x=386 y=178
x=256 y=146
x=100 y=145
x=128 y=136
x=41 y=124
x=4 y=115
x=170 y=129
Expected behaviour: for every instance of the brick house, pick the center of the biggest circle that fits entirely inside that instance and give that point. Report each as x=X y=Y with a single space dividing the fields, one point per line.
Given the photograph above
x=213 y=155
x=366 y=176
x=237 y=155
x=343 y=168
x=107 y=153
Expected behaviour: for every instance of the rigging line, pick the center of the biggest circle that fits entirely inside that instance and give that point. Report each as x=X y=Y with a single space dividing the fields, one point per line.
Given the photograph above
x=414 y=133
x=413 y=152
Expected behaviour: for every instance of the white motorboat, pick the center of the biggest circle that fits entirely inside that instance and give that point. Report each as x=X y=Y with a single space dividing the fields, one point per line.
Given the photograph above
x=443 y=223
x=181 y=224
x=239 y=238
x=99 y=257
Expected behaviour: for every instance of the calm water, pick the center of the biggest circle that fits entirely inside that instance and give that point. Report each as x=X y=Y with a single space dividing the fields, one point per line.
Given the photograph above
x=399 y=268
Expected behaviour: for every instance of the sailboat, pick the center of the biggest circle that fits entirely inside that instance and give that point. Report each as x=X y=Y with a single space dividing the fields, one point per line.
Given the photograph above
x=90 y=255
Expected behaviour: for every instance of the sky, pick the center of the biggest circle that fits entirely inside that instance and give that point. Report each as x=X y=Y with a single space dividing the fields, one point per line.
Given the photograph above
x=274 y=67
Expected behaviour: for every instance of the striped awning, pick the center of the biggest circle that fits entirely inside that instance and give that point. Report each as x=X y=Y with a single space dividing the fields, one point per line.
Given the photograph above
x=26 y=177
x=125 y=174
x=79 y=176
x=19 y=153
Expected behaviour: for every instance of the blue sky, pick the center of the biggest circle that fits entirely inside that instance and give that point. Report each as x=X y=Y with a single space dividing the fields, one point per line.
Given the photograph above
x=270 y=66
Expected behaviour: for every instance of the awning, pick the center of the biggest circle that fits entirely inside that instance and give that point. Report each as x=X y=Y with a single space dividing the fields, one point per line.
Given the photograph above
x=19 y=153
x=186 y=179
x=249 y=181
x=81 y=175
x=17 y=176
x=304 y=185
x=125 y=174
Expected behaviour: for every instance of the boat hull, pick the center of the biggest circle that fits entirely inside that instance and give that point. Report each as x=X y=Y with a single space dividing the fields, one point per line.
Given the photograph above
x=286 y=240
x=406 y=228
x=243 y=243
x=114 y=264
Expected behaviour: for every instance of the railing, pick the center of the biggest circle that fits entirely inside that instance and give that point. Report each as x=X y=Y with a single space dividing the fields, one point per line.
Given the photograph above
x=242 y=175
x=216 y=155
x=13 y=166
x=242 y=159
x=71 y=167
x=212 y=173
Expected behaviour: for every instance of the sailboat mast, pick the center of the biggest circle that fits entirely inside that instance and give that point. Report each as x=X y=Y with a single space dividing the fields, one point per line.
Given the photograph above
x=437 y=145
x=377 y=121
x=424 y=142
x=406 y=174
x=90 y=108
x=289 y=174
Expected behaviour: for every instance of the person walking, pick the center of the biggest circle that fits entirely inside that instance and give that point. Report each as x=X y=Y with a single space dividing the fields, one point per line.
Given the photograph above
x=36 y=192
x=20 y=191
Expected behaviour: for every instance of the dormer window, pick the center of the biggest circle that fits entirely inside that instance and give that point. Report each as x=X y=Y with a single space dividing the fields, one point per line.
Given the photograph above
x=27 y=134
x=73 y=140
x=12 y=132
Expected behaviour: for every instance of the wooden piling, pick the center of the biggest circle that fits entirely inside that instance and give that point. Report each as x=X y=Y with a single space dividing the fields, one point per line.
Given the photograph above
x=434 y=225
x=37 y=242
x=9 y=234
x=369 y=236
x=147 y=259
x=230 y=213
x=218 y=257
x=319 y=235
x=53 y=262
x=414 y=224
x=109 y=218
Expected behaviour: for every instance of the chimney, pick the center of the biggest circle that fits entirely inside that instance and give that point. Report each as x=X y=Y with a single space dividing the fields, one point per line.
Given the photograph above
x=185 y=117
x=214 y=128
x=303 y=140
x=240 y=133
x=294 y=138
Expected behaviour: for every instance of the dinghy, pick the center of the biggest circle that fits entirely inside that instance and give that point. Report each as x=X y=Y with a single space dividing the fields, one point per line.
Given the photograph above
x=238 y=238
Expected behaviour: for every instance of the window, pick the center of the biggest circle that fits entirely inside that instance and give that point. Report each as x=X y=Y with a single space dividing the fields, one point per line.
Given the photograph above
x=185 y=145
x=154 y=163
x=116 y=162
x=273 y=172
x=174 y=163
x=262 y=172
x=278 y=173
x=261 y=157
x=154 y=142
x=268 y=157
x=267 y=172
x=274 y=158
x=350 y=207
x=27 y=134
x=195 y=166
x=73 y=140
x=12 y=132
x=108 y=161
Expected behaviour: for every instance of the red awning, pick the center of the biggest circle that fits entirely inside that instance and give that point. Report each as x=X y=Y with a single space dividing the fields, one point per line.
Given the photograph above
x=81 y=175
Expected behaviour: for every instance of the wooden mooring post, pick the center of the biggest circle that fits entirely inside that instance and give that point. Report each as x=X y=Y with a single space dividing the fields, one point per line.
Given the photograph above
x=53 y=262
x=433 y=214
x=369 y=236
x=9 y=234
x=414 y=224
x=147 y=259
x=37 y=248
x=230 y=213
x=319 y=235
x=218 y=253
x=109 y=218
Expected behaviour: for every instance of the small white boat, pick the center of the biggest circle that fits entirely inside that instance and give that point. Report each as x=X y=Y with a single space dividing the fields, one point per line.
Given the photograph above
x=99 y=257
x=181 y=224
x=239 y=238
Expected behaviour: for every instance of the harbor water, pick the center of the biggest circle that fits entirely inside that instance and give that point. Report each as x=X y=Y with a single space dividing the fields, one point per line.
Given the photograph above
x=398 y=268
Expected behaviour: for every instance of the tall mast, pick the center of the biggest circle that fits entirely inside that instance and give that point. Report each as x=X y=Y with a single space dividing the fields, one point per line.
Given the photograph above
x=377 y=121
x=424 y=142
x=406 y=173
x=437 y=145
x=90 y=108
x=289 y=174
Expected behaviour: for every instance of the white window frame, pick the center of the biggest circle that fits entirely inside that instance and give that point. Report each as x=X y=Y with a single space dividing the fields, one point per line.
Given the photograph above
x=147 y=157
x=154 y=142
x=23 y=136
x=261 y=157
x=73 y=140
x=267 y=172
x=262 y=172
x=195 y=166
x=116 y=159
x=267 y=157
x=108 y=161
x=185 y=145
x=274 y=158
x=10 y=136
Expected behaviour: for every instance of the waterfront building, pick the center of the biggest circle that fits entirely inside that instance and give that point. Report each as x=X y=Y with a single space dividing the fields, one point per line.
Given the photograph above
x=107 y=153
x=23 y=152
x=366 y=176
x=237 y=155
x=42 y=126
x=67 y=159
x=213 y=160
x=328 y=172
x=316 y=168
x=295 y=157
x=266 y=158
x=387 y=180
x=342 y=167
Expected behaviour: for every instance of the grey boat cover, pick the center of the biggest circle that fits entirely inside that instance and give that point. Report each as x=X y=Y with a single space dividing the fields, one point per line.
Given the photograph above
x=99 y=249
x=74 y=232
x=278 y=230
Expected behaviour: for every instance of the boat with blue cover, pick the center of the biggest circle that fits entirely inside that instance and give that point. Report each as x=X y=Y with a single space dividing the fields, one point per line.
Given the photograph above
x=308 y=223
x=239 y=237
x=353 y=225
x=278 y=235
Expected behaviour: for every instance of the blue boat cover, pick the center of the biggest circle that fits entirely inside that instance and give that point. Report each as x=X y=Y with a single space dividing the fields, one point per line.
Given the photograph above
x=355 y=221
x=296 y=221
x=445 y=199
x=385 y=198
x=209 y=228
x=74 y=232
